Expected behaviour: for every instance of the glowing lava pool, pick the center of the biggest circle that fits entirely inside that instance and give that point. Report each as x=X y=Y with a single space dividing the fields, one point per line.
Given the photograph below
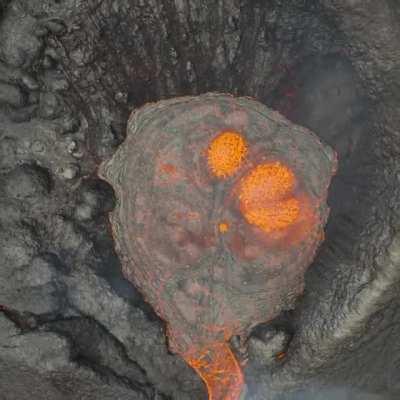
x=221 y=205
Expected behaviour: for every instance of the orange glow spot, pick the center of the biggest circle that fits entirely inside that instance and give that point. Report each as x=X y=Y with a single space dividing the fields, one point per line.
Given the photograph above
x=261 y=196
x=281 y=355
x=269 y=181
x=223 y=227
x=226 y=153
x=169 y=169
x=273 y=217
x=219 y=369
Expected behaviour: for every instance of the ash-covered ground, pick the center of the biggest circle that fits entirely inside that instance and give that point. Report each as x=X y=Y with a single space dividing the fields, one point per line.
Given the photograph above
x=71 y=326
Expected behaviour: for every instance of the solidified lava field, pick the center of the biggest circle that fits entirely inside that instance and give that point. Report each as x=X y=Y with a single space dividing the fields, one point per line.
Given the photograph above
x=72 y=71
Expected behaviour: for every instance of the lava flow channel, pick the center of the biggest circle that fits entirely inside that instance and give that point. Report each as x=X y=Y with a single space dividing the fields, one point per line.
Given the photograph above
x=219 y=369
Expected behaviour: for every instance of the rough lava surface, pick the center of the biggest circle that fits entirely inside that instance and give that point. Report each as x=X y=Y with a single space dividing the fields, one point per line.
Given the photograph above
x=71 y=71
x=202 y=222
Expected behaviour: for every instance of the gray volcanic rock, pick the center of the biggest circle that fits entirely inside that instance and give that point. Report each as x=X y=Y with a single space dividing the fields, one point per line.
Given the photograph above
x=27 y=183
x=43 y=361
x=71 y=72
x=11 y=95
x=19 y=46
x=35 y=287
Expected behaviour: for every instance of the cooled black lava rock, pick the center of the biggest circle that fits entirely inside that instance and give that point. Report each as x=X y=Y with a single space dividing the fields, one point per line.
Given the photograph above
x=11 y=95
x=35 y=287
x=19 y=245
x=269 y=347
x=27 y=182
x=95 y=198
x=331 y=65
x=19 y=46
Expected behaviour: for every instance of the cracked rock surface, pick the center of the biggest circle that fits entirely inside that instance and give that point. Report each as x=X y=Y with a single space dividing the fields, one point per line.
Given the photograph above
x=71 y=71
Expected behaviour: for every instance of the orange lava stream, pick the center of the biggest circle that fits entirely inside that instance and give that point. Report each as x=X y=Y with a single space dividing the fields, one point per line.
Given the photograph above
x=219 y=369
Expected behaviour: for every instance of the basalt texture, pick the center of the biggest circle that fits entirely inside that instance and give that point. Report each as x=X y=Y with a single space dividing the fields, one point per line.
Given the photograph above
x=71 y=72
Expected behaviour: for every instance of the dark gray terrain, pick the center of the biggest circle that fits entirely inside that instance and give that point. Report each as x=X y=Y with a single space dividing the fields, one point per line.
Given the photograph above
x=71 y=327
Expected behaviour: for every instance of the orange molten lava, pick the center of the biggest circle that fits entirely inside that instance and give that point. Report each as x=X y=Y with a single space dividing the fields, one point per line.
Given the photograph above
x=223 y=227
x=219 y=369
x=274 y=217
x=226 y=153
x=269 y=181
x=264 y=197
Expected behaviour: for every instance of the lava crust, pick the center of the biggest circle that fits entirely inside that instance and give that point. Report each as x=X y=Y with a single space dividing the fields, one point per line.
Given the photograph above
x=221 y=207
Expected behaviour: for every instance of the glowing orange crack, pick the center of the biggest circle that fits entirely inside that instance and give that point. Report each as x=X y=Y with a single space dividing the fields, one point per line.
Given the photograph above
x=226 y=153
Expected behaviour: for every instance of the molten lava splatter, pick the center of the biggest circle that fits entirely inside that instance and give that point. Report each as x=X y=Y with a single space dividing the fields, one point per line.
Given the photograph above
x=226 y=153
x=219 y=369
